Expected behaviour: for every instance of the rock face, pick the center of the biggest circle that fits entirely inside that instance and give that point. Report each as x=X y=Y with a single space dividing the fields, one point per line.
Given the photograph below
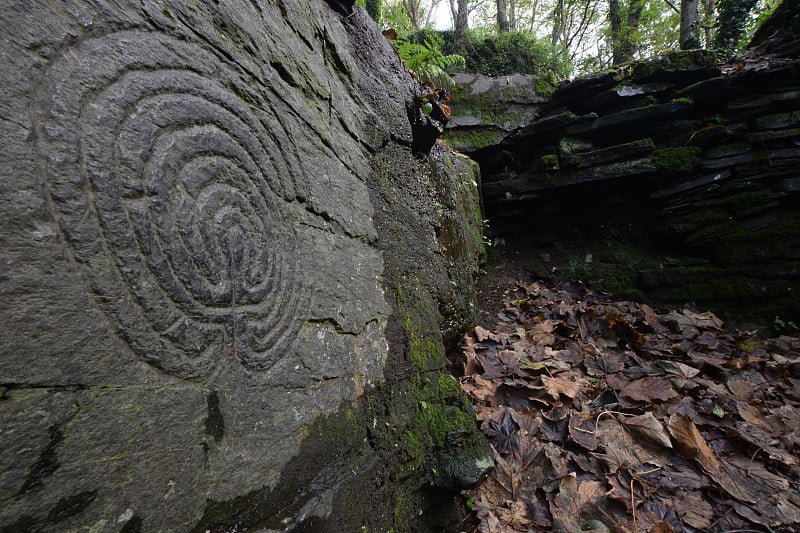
x=224 y=276
x=488 y=109
x=699 y=160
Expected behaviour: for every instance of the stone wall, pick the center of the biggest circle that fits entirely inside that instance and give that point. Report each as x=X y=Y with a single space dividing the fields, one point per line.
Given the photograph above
x=699 y=160
x=224 y=276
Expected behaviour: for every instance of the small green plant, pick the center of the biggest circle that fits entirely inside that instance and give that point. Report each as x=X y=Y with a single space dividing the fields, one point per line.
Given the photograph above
x=577 y=269
x=427 y=62
x=784 y=326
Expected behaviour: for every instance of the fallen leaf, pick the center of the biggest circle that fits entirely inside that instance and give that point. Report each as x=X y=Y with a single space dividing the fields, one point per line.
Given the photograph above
x=708 y=339
x=557 y=386
x=501 y=430
x=648 y=390
x=542 y=333
x=625 y=447
x=693 y=509
x=604 y=363
x=741 y=389
x=563 y=373
x=481 y=334
x=651 y=319
x=678 y=369
x=749 y=481
x=691 y=444
x=581 y=430
x=647 y=427
x=576 y=504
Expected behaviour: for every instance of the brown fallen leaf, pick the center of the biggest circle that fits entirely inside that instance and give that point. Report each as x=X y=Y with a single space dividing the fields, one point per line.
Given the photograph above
x=582 y=430
x=649 y=390
x=603 y=363
x=750 y=481
x=691 y=444
x=647 y=427
x=576 y=504
x=678 y=369
x=482 y=334
x=693 y=509
x=625 y=448
x=557 y=386
x=542 y=333
x=651 y=319
x=660 y=527
x=708 y=339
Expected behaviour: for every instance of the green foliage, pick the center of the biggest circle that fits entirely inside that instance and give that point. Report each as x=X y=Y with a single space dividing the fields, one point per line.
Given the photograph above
x=760 y=13
x=514 y=52
x=373 y=7
x=782 y=326
x=426 y=60
x=732 y=24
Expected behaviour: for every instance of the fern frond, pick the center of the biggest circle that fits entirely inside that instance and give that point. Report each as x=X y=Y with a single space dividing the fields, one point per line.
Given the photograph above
x=426 y=61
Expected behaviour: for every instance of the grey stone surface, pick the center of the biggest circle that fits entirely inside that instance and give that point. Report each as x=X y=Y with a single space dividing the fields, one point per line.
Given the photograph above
x=486 y=110
x=190 y=273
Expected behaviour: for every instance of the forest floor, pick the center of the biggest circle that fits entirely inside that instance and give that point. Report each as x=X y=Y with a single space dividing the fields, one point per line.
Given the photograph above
x=609 y=415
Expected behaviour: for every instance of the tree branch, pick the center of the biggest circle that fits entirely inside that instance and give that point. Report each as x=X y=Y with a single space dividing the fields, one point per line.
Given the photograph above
x=675 y=9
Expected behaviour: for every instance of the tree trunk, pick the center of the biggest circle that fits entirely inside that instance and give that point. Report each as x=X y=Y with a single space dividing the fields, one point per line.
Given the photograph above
x=502 y=16
x=534 y=11
x=558 y=22
x=459 y=9
x=689 y=37
x=623 y=42
x=615 y=20
x=708 y=21
x=628 y=41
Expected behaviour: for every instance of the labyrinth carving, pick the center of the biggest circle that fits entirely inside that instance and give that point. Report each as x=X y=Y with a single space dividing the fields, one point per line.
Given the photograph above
x=169 y=190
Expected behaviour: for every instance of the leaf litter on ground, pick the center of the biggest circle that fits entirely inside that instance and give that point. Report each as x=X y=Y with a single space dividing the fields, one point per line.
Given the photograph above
x=605 y=415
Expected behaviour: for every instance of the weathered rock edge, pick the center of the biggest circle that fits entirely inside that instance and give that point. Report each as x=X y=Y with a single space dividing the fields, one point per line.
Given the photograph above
x=227 y=283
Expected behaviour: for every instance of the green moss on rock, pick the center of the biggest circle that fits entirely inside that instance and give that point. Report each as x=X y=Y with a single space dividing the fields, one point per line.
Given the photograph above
x=545 y=86
x=471 y=139
x=550 y=162
x=676 y=160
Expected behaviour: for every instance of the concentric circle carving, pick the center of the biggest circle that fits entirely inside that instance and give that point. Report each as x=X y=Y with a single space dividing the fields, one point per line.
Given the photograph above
x=169 y=190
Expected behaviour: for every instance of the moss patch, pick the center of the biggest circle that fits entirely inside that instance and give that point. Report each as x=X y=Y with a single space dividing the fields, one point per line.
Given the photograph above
x=550 y=162
x=676 y=160
x=471 y=139
x=545 y=86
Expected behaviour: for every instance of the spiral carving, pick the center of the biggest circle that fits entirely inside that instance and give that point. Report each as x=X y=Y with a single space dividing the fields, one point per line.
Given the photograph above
x=170 y=192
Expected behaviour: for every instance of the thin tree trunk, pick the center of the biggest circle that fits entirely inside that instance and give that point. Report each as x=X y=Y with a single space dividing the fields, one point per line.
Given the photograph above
x=533 y=15
x=502 y=16
x=615 y=20
x=708 y=21
x=689 y=36
x=558 y=22
x=634 y=15
x=461 y=18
